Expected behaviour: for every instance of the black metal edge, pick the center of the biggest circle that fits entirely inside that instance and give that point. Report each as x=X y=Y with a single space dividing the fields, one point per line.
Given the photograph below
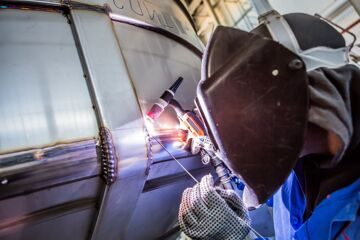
x=164 y=181
x=169 y=233
x=164 y=160
x=56 y=166
x=64 y=5
x=40 y=6
x=186 y=12
x=167 y=34
x=33 y=3
x=30 y=191
x=51 y=212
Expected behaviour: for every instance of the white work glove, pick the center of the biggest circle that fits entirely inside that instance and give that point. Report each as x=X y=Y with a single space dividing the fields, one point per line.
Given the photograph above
x=208 y=212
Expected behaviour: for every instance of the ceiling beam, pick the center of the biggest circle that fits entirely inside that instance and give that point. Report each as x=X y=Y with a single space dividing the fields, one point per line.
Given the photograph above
x=194 y=5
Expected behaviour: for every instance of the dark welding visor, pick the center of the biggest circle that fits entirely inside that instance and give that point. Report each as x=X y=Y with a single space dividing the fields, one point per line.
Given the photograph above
x=254 y=99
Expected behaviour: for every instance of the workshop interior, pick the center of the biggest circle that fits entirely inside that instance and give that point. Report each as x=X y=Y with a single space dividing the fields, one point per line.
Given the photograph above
x=179 y=119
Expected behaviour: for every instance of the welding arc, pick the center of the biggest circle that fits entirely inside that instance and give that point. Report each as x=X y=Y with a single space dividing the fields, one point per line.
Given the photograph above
x=182 y=166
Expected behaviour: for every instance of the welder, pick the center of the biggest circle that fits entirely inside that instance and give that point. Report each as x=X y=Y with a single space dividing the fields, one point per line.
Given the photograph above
x=316 y=194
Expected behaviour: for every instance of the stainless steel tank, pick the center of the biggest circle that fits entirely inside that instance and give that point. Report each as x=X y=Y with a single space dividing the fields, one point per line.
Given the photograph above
x=76 y=157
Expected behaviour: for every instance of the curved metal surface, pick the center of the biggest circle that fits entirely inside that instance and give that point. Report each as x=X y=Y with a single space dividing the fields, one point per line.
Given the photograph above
x=150 y=63
x=158 y=15
x=125 y=68
x=52 y=105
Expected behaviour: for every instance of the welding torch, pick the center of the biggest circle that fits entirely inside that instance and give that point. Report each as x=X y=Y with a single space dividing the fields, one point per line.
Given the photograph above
x=195 y=127
x=164 y=100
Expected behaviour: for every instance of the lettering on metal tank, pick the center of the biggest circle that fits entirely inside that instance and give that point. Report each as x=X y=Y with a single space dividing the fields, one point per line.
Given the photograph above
x=154 y=13
x=119 y=4
x=179 y=25
x=169 y=22
x=137 y=10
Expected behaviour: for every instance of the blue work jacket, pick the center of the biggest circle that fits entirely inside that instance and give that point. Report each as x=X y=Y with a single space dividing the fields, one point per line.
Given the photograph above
x=336 y=217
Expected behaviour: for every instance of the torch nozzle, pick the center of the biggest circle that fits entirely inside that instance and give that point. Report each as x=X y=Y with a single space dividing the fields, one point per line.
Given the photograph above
x=176 y=84
x=159 y=106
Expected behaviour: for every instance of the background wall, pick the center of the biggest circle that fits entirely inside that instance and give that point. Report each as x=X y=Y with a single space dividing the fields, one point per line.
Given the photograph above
x=208 y=14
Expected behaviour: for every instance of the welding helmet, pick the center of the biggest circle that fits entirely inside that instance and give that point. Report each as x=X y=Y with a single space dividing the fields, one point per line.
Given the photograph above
x=310 y=37
x=253 y=96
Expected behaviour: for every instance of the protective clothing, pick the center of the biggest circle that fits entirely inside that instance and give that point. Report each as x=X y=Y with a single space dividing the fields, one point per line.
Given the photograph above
x=321 y=198
x=335 y=107
x=210 y=213
x=336 y=217
x=330 y=106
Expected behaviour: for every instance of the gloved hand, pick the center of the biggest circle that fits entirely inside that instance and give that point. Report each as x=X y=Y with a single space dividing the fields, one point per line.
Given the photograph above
x=208 y=212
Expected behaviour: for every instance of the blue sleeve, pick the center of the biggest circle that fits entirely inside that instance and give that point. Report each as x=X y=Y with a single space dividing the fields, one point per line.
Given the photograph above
x=289 y=206
x=336 y=217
